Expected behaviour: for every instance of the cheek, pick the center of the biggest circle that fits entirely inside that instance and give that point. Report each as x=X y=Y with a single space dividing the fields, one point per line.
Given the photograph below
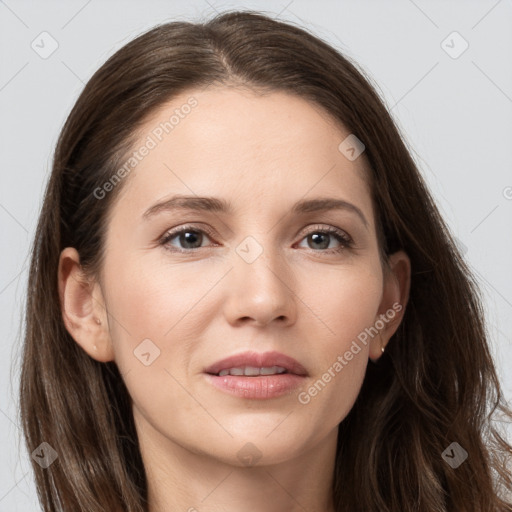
x=148 y=305
x=348 y=308
x=150 y=297
x=347 y=304
x=156 y=309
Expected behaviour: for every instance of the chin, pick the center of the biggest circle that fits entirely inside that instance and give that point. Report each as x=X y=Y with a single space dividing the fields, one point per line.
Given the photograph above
x=253 y=447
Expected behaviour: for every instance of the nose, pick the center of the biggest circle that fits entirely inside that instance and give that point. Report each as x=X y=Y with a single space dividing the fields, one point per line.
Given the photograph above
x=260 y=292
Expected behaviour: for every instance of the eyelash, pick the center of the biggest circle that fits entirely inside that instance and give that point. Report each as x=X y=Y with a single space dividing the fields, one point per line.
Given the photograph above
x=342 y=237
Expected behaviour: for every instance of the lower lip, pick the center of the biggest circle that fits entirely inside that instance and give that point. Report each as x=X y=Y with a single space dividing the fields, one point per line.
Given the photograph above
x=262 y=387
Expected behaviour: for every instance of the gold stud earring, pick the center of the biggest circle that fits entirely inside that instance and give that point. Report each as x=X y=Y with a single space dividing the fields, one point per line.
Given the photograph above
x=382 y=345
x=382 y=349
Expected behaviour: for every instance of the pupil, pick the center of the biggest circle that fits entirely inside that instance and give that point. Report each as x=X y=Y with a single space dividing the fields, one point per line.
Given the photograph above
x=315 y=238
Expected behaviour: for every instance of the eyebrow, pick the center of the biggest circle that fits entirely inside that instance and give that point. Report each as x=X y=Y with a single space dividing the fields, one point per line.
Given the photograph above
x=214 y=204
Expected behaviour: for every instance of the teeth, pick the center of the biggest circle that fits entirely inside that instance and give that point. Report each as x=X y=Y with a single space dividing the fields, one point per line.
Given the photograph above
x=251 y=371
x=271 y=371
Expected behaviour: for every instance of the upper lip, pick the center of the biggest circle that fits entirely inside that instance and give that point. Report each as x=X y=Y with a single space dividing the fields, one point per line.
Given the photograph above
x=258 y=360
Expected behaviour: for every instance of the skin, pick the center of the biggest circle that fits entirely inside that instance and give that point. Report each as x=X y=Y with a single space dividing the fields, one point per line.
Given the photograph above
x=263 y=153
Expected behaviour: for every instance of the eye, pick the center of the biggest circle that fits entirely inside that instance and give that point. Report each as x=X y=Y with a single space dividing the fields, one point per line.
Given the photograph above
x=321 y=238
x=189 y=237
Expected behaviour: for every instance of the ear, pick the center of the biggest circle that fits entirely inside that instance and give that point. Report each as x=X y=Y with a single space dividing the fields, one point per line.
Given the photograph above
x=397 y=281
x=82 y=307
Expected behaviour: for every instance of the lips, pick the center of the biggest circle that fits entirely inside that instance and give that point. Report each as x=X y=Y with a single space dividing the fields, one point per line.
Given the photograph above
x=254 y=364
x=256 y=376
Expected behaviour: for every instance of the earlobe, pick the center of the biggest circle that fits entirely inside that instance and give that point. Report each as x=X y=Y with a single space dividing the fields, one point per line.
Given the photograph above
x=397 y=280
x=82 y=308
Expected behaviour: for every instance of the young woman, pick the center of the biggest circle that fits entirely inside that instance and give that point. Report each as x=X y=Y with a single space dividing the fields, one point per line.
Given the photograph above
x=243 y=297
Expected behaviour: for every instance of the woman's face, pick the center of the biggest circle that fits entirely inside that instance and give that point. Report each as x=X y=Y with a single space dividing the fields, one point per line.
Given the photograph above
x=252 y=272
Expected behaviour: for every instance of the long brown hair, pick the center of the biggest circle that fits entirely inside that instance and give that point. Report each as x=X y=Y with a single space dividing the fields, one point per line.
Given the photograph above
x=435 y=385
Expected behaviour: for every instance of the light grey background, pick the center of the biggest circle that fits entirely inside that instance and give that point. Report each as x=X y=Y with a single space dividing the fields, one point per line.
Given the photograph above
x=455 y=113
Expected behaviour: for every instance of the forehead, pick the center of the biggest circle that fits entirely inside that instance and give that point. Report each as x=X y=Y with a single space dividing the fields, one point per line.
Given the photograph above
x=248 y=146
